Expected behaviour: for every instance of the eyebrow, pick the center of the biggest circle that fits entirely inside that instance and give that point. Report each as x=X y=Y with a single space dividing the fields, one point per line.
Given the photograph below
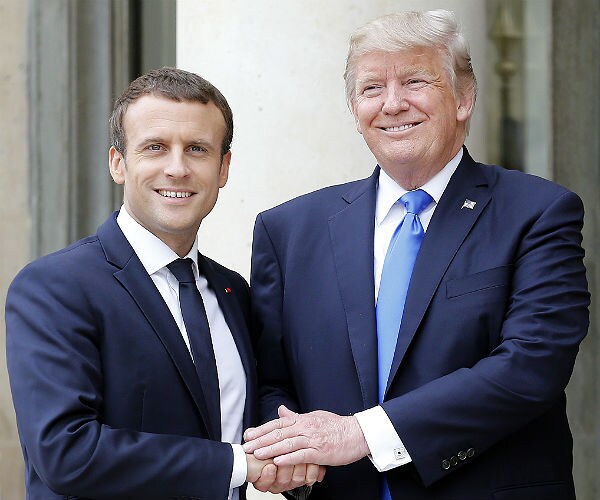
x=407 y=71
x=160 y=140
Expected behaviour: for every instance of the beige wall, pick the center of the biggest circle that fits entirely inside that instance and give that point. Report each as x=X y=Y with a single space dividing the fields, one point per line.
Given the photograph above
x=15 y=221
x=280 y=65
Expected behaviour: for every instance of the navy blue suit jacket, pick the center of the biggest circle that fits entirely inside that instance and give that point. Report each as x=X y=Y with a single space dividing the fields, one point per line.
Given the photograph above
x=107 y=399
x=496 y=309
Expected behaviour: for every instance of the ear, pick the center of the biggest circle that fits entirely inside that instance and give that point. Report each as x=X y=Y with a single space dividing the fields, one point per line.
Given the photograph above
x=116 y=165
x=224 y=169
x=465 y=102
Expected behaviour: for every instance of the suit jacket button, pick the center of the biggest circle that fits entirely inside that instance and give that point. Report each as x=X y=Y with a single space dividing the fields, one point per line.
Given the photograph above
x=453 y=461
x=470 y=452
x=445 y=464
x=462 y=455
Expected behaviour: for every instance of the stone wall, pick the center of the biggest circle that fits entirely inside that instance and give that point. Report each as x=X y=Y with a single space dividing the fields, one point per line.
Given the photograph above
x=15 y=221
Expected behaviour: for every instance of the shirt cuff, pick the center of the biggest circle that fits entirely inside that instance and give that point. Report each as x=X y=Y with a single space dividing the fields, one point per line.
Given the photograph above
x=240 y=467
x=386 y=447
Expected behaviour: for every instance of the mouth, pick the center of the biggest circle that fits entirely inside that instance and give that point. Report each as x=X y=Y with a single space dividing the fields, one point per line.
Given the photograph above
x=400 y=128
x=174 y=194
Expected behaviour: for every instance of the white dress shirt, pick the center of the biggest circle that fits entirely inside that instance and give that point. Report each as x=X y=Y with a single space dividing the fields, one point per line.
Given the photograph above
x=386 y=447
x=155 y=255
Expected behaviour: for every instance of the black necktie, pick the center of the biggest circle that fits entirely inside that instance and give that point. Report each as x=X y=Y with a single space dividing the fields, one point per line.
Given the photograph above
x=198 y=330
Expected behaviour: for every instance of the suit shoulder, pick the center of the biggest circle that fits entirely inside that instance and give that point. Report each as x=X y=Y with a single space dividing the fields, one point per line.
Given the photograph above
x=321 y=199
x=519 y=189
x=65 y=264
x=521 y=181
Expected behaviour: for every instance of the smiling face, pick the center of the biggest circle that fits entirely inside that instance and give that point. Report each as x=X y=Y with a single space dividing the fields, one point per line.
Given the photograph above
x=173 y=168
x=408 y=113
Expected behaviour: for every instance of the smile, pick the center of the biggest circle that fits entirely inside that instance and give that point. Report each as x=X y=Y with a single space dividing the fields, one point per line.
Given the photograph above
x=174 y=194
x=400 y=128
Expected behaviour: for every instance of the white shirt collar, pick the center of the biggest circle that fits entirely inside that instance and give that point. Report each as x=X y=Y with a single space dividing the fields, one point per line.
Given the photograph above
x=151 y=250
x=389 y=191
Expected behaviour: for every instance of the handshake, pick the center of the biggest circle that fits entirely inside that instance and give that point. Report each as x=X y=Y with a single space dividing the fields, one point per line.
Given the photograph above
x=293 y=450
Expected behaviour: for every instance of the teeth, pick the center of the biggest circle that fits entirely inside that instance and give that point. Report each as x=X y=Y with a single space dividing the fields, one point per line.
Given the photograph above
x=399 y=129
x=174 y=194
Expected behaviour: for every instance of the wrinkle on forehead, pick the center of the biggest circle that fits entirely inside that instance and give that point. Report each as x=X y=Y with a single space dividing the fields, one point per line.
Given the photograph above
x=376 y=65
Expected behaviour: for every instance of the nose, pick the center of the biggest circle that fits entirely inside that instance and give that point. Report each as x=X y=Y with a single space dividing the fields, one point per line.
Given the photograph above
x=176 y=165
x=395 y=100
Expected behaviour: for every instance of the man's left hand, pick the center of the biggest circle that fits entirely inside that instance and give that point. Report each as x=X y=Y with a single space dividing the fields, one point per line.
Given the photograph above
x=318 y=437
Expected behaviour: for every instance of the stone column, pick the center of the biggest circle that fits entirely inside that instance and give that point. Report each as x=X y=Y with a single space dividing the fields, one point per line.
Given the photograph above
x=280 y=65
x=15 y=222
x=576 y=129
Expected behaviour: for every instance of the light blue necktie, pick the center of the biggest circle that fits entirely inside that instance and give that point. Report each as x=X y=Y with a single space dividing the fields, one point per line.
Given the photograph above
x=395 y=278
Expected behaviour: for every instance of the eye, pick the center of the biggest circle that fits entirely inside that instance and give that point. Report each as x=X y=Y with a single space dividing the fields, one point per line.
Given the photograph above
x=416 y=83
x=372 y=90
x=197 y=149
x=154 y=147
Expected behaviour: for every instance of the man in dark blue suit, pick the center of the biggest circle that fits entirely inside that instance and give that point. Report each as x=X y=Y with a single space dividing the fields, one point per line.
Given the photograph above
x=471 y=404
x=108 y=390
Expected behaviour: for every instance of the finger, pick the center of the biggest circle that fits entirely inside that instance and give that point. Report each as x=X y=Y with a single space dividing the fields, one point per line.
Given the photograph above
x=273 y=437
x=283 y=480
x=277 y=423
x=299 y=475
x=282 y=447
x=288 y=478
x=267 y=478
x=312 y=473
x=255 y=432
x=283 y=411
x=322 y=471
x=301 y=456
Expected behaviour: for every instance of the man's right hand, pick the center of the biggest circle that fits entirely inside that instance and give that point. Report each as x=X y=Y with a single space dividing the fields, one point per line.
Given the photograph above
x=266 y=476
x=256 y=467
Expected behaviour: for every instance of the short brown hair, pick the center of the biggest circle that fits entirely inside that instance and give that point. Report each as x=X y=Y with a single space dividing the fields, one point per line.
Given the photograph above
x=175 y=84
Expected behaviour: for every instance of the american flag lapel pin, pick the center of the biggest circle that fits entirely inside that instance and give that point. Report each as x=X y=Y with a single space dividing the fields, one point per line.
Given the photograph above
x=227 y=290
x=470 y=204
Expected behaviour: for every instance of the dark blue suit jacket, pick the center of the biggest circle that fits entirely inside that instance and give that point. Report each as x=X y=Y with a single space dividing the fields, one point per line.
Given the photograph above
x=497 y=307
x=106 y=395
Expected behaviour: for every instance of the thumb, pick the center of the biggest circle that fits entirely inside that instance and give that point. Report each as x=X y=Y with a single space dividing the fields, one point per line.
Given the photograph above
x=283 y=411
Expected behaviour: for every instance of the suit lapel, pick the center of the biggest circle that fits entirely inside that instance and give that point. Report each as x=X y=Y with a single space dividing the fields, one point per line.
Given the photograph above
x=351 y=232
x=132 y=275
x=228 y=302
x=449 y=226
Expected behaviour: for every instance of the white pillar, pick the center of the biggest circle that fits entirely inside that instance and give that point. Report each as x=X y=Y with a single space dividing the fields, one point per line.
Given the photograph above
x=280 y=66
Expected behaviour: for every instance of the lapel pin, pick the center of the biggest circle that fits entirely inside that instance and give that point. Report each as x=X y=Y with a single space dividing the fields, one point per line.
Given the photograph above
x=227 y=290
x=468 y=204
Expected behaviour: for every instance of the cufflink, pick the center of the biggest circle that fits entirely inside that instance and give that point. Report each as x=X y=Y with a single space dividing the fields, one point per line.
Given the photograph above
x=399 y=454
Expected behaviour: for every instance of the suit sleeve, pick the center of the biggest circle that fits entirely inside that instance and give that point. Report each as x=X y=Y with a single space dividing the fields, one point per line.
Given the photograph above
x=266 y=285
x=525 y=374
x=55 y=367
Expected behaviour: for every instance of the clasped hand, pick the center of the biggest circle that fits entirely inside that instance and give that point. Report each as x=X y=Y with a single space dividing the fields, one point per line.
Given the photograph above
x=300 y=445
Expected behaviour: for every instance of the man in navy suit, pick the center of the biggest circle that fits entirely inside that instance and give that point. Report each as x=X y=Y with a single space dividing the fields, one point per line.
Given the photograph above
x=474 y=403
x=108 y=399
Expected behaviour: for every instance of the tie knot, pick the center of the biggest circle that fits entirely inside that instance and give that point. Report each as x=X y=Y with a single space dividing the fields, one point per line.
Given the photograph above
x=416 y=201
x=182 y=269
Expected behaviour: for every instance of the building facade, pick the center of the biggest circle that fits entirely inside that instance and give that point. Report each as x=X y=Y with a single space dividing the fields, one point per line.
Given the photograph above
x=280 y=65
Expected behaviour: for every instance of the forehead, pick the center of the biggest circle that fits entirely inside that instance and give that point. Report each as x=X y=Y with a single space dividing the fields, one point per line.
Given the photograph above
x=418 y=59
x=161 y=113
